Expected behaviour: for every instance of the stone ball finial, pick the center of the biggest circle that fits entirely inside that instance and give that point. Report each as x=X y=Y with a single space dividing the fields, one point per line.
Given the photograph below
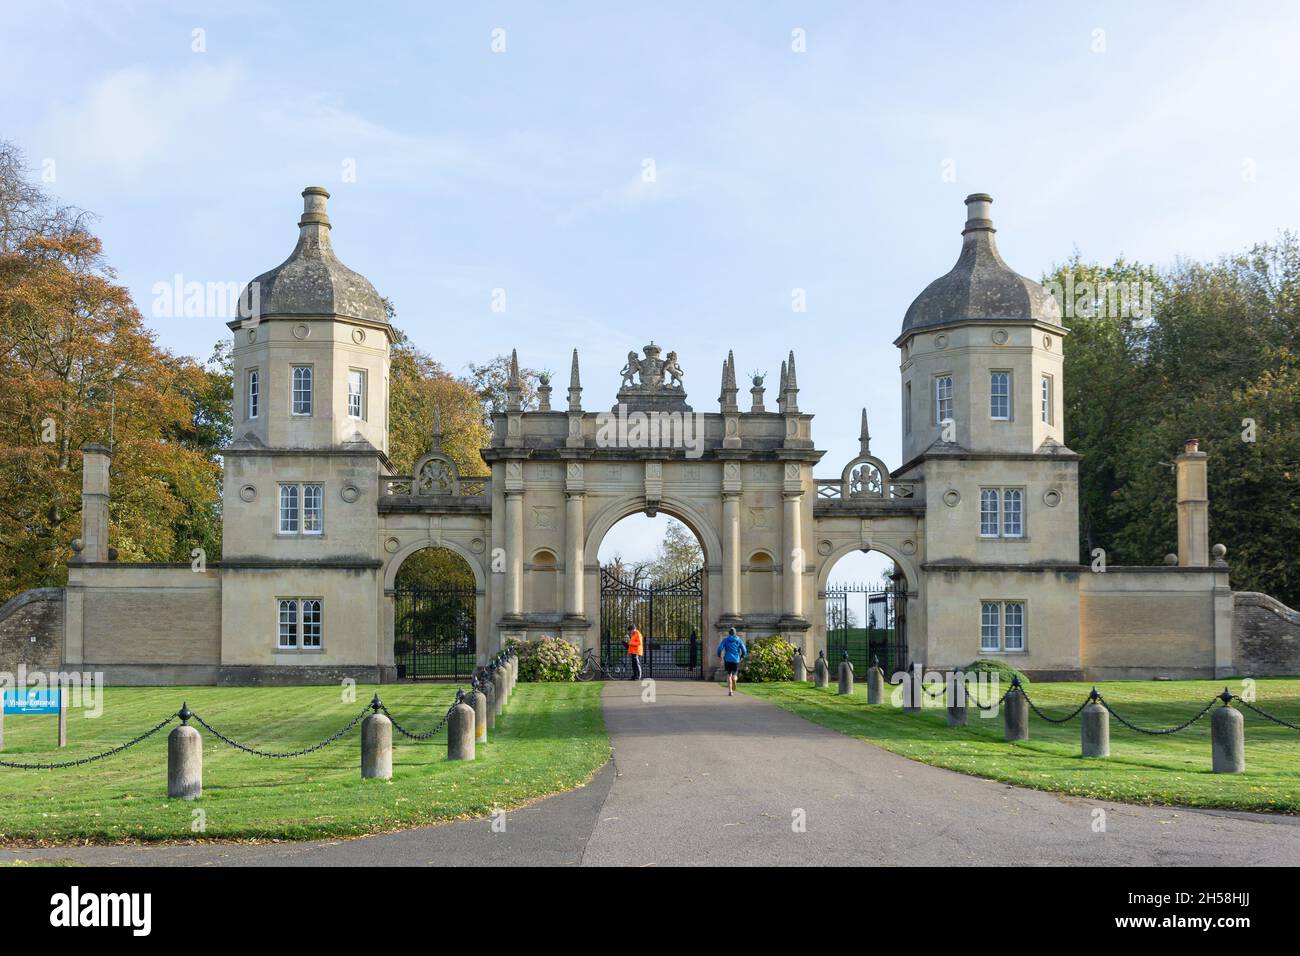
x=78 y=545
x=112 y=554
x=1219 y=552
x=1171 y=559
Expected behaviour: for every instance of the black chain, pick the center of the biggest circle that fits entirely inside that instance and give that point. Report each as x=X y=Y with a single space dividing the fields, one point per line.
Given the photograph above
x=1276 y=720
x=1157 y=733
x=84 y=760
x=1057 y=720
x=292 y=753
x=424 y=736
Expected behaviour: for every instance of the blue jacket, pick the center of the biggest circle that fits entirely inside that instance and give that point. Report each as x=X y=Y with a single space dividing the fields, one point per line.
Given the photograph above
x=732 y=648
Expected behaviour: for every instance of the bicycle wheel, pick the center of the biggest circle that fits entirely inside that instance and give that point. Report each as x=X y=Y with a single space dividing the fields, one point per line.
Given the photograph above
x=590 y=668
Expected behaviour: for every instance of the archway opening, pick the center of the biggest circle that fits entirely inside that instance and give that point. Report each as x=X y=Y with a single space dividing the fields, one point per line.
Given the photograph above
x=865 y=612
x=434 y=616
x=652 y=578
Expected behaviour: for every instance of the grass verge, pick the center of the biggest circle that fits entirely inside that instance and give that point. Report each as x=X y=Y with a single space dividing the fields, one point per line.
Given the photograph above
x=1171 y=769
x=551 y=738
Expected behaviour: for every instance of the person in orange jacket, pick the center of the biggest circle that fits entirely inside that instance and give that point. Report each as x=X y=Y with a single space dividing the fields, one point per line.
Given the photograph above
x=634 y=645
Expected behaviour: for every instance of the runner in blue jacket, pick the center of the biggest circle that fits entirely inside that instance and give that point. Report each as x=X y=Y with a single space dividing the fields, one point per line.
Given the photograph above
x=732 y=651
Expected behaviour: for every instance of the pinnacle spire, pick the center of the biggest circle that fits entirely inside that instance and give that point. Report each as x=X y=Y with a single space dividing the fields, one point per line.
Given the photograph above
x=575 y=385
x=864 y=436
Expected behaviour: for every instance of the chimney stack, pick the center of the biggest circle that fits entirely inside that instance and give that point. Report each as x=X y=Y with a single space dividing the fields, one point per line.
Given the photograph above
x=94 y=502
x=1193 y=506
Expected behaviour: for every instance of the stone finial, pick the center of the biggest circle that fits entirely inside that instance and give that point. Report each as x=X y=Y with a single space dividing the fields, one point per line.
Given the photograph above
x=978 y=216
x=575 y=385
x=864 y=436
x=435 y=442
x=756 y=393
x=514 y=385
x=727 y=399
x=788 y=400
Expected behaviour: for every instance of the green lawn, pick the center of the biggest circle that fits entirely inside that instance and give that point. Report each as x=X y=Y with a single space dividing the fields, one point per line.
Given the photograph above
x=551 y=738
x=1173 y=769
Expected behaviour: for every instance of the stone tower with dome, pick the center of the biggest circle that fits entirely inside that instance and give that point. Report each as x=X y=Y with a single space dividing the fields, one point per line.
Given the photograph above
x=981 y=357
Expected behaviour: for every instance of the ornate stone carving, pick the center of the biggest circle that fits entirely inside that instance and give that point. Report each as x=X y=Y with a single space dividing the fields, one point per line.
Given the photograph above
x=653 y=382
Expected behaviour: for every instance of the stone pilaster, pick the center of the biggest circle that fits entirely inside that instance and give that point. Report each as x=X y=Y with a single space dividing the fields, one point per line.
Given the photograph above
x=575 y=499
x=792 y=562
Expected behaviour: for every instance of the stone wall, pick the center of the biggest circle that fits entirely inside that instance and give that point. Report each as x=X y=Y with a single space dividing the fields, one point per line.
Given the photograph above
x=31 y=630
x=1137 y=623
x=1265 y=636
x=144 y=623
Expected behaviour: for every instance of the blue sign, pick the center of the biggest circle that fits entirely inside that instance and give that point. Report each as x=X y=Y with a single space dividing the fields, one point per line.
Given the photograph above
x=32 y=701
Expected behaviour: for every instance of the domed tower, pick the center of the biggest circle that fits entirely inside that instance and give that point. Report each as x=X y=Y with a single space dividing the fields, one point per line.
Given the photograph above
x=300 y=565
x=310 y=355
x=981 y=364
x=981 y=348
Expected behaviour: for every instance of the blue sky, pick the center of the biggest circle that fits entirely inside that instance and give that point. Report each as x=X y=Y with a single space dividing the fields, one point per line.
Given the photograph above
x=1155 y=131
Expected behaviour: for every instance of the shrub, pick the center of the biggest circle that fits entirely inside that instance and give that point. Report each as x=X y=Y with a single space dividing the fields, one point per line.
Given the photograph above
x=1004 y=671
x=551 y=659
x=769 y=659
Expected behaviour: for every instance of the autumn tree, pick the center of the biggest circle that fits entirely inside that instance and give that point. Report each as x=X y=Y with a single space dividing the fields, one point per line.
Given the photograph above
x=80 y=366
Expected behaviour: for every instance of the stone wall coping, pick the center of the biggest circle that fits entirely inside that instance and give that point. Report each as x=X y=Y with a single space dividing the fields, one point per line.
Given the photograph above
x=19 y=601
x=1239 y=599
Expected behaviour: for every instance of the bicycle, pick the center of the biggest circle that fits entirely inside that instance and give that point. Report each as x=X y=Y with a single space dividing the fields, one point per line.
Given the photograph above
x=593 y=667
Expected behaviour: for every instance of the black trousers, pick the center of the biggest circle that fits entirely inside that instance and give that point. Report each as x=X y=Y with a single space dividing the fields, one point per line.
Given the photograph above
x=635 y=660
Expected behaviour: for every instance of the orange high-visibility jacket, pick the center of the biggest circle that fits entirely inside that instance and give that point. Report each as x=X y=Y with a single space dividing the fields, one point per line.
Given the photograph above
x=634 y=642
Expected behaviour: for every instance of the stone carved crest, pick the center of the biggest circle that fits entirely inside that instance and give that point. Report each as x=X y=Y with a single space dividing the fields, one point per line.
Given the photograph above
x=653 y=382
x=652 y=370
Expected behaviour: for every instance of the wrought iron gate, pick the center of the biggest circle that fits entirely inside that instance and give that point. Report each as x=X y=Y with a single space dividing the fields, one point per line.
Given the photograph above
x=670 y=618
x=881 y=636
x=433 y=632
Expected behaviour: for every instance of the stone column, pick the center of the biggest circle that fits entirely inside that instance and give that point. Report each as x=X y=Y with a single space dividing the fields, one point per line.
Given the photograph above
x=792 y=560
x=731 y=555
x=514 y=554
x=1193 y=506
x=575 y=558
x=94 y=502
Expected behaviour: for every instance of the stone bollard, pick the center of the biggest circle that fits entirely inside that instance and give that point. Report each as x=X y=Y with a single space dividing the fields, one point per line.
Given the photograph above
x=1228 y=737
x=912 y=692
x=503 y=683
x=875 y=684
x=498 y=698
x=185 y=760
x=800 y=667
x=821 y=671
x=1094 y=728
x=376 y=745
x=514 y=670
x=846 y=675
x=1015 y=713
x=490 y=693
x=478 y=703
x=460 y=732
x=957 y=711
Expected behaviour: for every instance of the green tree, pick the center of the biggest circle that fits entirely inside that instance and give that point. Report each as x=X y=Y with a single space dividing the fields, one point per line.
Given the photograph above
x=1214 y=360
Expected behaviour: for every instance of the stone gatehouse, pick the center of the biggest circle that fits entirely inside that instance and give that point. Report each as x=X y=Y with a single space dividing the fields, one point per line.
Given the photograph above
x=980 y=516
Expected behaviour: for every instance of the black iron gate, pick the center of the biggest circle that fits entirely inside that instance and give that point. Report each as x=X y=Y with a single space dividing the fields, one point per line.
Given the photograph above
x=869 y=624
x=433 y=633
x=670 y=618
